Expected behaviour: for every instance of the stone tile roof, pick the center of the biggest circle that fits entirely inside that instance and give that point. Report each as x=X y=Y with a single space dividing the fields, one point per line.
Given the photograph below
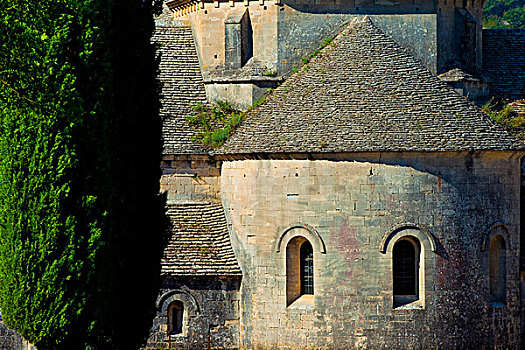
x=518 y=106
x=9 y=339
x=182 y=87
x=366 y=93
x=504 y=62
x=457 y=75
x=200 y=243
x=253 y=70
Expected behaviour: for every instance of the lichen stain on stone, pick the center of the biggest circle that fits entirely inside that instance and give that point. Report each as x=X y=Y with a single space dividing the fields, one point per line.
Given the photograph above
x=450 y=265
x=346 y=240
x=392 y=204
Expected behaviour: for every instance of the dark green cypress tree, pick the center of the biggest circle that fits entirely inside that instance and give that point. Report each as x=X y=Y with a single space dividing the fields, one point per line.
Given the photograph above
x=81 y=220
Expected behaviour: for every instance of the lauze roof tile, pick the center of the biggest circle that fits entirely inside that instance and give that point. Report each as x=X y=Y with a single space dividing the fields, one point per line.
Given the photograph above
x=366 y=93
x=182 y=87
x=200 y=243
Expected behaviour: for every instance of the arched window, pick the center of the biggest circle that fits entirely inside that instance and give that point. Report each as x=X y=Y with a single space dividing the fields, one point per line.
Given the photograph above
x=497 y=270
x=175 y=317
x=406 y=270
x=299 y=269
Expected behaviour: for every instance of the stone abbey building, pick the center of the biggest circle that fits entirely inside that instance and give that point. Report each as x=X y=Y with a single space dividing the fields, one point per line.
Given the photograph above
x=367 y=203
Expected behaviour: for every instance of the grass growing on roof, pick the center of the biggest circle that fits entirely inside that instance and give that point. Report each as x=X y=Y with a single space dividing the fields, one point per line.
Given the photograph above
x=506 y=117
x=214 y=124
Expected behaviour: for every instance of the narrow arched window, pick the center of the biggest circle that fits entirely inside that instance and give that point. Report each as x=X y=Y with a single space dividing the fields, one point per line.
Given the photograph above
x=307 y=268
x=405 y=271
x=299 y=269
x=497 y=270
x=175 y=317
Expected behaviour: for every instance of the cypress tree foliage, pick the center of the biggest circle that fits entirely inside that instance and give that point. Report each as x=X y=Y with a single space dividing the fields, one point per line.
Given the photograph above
x=81 y=221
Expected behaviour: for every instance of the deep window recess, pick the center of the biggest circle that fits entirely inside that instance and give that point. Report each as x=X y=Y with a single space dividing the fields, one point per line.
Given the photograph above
x=238 y=43
x=404 y=268
x=299 y=269
x=497 y=271
x=406 y=258
x=175 y=317
x=307 y=268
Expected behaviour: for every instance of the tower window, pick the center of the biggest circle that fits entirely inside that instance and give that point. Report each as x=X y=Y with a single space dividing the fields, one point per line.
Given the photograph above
x=497 y=271
x=405 y=271
x=175 y=317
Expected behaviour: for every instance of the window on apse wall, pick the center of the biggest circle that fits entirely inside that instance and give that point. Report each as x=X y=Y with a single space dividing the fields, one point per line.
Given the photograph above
x=405 y=270
x=497 y=271
x=175 y=317
x=299 y=269
x=307 y=268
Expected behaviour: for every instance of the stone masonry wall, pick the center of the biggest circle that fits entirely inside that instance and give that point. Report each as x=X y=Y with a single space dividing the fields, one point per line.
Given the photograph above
x=211 y=315
x=188 y=178
x=347 y=207
x=209 y=31
x=283 y=31
x=301 y=31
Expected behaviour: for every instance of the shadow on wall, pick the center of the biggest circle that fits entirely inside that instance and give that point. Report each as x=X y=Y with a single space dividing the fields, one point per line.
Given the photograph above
x=302 y=29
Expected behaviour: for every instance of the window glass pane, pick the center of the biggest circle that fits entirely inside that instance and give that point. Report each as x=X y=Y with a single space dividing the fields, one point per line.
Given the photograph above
x=175 y=317
x=497 y=270
x=405 y=269
x=307 y=268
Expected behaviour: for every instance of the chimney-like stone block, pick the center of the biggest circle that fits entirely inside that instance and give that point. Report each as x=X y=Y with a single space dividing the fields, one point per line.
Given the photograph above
x=238 y=39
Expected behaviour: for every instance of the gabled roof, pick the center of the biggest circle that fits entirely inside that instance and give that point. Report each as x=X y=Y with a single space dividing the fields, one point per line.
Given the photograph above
x=182 y=87
x=200 y=242
x=366 y=93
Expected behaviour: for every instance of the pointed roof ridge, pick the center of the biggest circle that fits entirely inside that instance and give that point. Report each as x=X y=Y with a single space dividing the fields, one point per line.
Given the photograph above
x=364 y=92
